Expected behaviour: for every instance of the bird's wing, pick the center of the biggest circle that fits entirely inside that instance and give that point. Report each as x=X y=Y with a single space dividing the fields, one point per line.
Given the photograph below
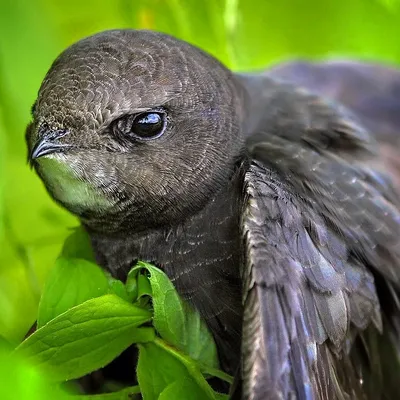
x=321 y=275
x=371 y=91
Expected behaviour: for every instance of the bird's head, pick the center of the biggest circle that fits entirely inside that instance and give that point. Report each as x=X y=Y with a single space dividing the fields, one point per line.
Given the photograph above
x=135 y=128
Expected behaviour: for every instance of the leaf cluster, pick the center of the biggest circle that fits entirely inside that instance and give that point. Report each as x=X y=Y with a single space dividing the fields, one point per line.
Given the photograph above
x=87 y=318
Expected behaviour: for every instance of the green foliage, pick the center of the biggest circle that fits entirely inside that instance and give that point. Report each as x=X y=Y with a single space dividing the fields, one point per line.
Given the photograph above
x=86 y=320
x=171 y=366
x=86 y=337
x=70 y=283
x=77 y=245
x=174 y=320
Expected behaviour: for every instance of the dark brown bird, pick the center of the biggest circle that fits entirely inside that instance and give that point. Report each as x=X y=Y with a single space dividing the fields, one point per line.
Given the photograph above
x=272 y=209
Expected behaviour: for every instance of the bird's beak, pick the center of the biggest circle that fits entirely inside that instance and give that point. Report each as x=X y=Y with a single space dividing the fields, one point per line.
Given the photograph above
x=47 y=144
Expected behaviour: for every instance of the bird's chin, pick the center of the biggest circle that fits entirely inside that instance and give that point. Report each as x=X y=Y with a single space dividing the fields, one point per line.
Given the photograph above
x=63 y=179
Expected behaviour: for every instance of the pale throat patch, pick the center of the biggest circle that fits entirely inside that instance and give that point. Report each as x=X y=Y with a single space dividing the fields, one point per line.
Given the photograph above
x=64 y=184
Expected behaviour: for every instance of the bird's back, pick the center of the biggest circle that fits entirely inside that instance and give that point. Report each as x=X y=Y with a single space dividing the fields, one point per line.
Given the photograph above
x=370 y=91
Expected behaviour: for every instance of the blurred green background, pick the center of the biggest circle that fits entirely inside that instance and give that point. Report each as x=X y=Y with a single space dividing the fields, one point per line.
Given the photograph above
x=244 y=34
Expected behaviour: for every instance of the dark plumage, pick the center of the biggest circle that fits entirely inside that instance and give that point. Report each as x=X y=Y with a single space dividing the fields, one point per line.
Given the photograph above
x=271 y=209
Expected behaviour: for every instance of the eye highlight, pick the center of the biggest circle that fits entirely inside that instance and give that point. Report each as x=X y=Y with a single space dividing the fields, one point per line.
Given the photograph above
x=144 y=126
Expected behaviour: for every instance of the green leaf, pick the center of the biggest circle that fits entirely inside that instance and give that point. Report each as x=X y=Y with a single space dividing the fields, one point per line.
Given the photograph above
x=131 y=285
x=70 y=283
x=169 y=319
x=192 y=366
x=156 y=370
x=179 y=390
x=209 y=371
x=159 y=366
x=137 y=284
x=200 y=343
x=144 y=286
x=118 y=288
x=176 y=322
x=87 y=337
x=124 y=394
x=77 y=245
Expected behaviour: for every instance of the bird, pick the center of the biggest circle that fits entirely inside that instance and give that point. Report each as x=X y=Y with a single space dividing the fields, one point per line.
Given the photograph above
x=269 y=199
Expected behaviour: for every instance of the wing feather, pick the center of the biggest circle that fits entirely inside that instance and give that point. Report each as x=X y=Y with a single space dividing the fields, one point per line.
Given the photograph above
x=319 y=226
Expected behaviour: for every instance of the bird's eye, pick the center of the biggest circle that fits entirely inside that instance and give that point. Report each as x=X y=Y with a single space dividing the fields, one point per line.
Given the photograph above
x=141 y=127
x=149 y=125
